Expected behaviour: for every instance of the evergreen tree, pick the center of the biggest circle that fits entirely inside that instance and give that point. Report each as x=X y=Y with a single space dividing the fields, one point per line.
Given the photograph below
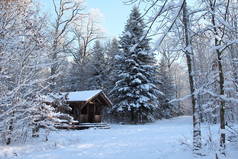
x=98 y=67
x=112 y=51
x=135 y=93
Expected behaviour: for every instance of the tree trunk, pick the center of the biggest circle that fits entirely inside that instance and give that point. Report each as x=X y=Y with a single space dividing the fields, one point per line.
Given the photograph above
x=222 y=107
x=132 y=115
x=10 y=129
x=221 y=84
x=35 y=131
x=197 y=143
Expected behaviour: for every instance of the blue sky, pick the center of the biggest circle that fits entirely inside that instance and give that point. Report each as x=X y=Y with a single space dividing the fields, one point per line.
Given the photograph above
x=115 y=13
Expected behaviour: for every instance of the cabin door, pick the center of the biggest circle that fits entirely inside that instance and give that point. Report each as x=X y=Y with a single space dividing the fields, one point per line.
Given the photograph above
x=91 y=113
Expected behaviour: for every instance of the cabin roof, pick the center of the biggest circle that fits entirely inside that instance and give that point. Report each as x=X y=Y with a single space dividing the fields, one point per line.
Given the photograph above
x=78 y=96
x=81 y=96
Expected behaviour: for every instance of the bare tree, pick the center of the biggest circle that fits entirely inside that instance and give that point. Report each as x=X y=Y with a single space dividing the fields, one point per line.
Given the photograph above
x=86 y=31
x=197 y=143
x=169 y=52
x=66 y=12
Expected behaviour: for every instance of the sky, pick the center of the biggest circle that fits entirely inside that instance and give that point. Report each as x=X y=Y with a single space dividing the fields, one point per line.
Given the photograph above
x=114 y=14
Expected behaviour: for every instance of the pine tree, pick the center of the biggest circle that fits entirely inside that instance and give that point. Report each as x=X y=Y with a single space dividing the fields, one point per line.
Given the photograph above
x=135 y=93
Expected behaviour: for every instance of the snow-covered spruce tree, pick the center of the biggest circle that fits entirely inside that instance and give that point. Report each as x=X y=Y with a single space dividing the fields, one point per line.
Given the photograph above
x=135 y=94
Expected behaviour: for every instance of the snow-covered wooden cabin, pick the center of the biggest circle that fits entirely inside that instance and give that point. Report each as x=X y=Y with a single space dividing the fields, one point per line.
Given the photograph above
x=87 y=105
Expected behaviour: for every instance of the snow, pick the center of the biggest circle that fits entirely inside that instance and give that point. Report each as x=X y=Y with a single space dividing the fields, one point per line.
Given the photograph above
x=146 y=87
x=118 y=57
x=82 y=95
x=136 y=81
x=132 y=49
x=73 y=96
x=165 y=139
x=144 y=99
x=128 y=34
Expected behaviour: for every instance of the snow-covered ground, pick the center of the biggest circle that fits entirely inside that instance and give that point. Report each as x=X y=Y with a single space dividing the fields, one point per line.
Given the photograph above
x=165 y=139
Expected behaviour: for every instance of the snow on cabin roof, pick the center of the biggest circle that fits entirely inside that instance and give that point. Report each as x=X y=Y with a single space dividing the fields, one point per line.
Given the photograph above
x=81 y=95
x=78 y=96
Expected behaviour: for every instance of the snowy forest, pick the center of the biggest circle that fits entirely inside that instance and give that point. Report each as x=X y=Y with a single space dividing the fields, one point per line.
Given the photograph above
x=171 y=76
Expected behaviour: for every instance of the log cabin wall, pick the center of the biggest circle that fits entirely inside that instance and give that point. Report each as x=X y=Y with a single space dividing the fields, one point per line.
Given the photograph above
x=76 y=111
x=91 y=112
